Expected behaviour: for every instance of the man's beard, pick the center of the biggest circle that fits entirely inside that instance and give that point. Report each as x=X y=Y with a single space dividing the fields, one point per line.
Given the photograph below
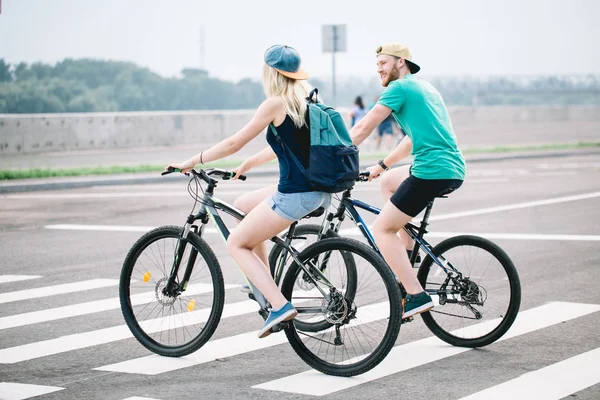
x=390 y=77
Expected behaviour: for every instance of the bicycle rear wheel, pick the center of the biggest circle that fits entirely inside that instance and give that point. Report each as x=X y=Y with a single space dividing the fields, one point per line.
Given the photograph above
x=307 y=233
x=344 y=275
x=477 y=306
x=359 y=329
x=178 y=324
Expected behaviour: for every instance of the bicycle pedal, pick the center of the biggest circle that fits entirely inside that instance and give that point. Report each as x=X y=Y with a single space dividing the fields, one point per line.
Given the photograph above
x=409 y=319
x=281 y=326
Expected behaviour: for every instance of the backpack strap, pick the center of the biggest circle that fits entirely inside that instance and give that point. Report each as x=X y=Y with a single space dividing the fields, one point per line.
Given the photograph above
x=288 y=150
x=315 y=93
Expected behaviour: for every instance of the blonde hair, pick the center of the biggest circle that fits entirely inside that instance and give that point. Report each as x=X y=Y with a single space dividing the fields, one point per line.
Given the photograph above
x=291 y=91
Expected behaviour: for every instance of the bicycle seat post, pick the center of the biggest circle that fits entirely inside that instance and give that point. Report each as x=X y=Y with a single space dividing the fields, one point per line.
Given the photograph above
x=424 y=221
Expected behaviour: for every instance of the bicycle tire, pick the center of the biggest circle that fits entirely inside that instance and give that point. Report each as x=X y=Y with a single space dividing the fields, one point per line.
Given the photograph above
x=145 y=337
x=388 y=318
x=311 y=229
x=507 y=312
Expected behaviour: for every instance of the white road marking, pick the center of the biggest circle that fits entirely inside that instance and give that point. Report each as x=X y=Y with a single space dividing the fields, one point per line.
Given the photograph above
x=63 y=344
x=139 y=398
x=56 y=289
x=91 y=307
x=110 y=228
x=17 y=278
x=110 y=195
x=354 y=231
x=22 y=391
x=516 y=206
x=487 y=235
x=425 y=351
x=226 y=347
x=553 y=382
x=349 y=232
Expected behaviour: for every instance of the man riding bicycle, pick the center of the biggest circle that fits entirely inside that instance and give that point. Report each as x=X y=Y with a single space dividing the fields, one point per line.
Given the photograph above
x=438 y=166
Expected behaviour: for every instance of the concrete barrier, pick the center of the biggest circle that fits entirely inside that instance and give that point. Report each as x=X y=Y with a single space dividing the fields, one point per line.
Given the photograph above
x=496 y=125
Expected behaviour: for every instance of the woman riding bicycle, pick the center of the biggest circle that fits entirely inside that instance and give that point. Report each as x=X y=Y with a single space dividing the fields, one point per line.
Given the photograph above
x=285 y=108
x=438 y=166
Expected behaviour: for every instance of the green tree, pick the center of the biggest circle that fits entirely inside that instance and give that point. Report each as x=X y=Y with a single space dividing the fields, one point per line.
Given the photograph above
x=5 y=74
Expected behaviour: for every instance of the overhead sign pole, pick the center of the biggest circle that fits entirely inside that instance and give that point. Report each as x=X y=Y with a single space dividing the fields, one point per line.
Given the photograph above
x=334 y=40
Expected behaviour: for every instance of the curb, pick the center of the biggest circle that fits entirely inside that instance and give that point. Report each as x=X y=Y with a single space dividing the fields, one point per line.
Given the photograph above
x=135 y=179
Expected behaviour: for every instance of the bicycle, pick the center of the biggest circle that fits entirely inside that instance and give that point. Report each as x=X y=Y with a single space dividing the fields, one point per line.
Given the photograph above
x=459 y=292
x=172 y=291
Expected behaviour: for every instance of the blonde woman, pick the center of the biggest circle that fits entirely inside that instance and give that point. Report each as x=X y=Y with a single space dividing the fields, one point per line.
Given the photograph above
x=285 y=108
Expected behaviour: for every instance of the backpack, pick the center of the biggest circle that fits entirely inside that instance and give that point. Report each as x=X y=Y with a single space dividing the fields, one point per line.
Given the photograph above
x=333 y=159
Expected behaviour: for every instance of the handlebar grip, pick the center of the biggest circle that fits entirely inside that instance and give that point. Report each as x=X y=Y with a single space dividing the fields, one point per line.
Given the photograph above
x=170 y=170
x=242 y=177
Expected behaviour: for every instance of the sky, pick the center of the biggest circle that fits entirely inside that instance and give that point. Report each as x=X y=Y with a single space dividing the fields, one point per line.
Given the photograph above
x=447 y=37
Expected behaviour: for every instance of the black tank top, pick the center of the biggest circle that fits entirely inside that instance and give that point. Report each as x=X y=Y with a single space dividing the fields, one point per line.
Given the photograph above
x=291 y=179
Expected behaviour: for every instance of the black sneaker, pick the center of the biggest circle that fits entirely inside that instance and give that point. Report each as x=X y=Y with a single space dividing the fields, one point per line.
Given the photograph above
x=416 y=304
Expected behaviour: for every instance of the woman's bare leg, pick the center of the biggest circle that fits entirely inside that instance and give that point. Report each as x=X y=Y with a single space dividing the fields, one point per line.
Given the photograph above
x=259 y=225
x=247 y=202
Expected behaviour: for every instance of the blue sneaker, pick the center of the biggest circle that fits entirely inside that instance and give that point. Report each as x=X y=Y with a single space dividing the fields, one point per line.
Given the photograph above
x=416 y=304
x=285 y=313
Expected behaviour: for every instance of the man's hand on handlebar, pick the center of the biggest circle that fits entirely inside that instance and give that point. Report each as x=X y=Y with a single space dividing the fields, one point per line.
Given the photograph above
x=374 y=172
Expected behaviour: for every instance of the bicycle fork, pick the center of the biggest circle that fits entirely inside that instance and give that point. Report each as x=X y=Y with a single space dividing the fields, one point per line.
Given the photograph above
x=172 y=288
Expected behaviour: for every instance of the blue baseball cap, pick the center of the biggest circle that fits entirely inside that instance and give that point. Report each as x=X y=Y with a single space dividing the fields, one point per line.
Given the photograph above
x=286 y=61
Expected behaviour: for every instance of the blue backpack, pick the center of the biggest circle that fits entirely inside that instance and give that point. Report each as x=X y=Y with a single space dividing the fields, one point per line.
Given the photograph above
x=333 y=159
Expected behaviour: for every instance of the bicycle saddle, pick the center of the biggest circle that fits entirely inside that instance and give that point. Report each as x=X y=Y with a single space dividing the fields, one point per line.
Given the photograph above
x=317 y=213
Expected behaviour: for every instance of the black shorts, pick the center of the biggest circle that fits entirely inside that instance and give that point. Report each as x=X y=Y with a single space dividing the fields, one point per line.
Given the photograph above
x=413 y=195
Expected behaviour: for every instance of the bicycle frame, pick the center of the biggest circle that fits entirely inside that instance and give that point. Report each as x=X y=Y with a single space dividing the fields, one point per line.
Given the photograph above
x=348 y=205
x=209 y=206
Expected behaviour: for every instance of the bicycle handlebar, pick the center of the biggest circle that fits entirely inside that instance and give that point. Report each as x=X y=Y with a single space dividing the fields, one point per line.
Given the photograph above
x=363 y=176
x=205 y=175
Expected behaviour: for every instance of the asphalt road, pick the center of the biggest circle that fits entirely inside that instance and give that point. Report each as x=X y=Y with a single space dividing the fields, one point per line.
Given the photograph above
x=70 y=244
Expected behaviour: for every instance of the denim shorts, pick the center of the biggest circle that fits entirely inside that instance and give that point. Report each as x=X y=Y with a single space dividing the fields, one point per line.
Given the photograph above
x=294 y=206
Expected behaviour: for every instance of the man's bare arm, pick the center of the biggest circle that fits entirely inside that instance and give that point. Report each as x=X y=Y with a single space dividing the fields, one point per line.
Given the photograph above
x=365 y=126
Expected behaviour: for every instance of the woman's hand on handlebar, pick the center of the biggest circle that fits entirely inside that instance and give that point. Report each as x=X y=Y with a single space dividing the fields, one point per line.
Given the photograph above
x=185 y=166
x=242 y=169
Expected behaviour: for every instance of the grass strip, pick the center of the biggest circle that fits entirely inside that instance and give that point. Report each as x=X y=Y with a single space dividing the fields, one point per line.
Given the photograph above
x=112 y=170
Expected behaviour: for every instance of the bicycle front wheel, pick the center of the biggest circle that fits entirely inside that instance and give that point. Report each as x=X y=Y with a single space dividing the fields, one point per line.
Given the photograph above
x=479 y=304
x=178 y=323
x=359 y=327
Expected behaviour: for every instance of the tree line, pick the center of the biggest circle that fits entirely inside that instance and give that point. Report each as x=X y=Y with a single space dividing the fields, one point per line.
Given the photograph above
x=88 y=85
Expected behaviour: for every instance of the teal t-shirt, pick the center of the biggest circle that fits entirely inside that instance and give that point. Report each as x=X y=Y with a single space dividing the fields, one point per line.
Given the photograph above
x=420 y=110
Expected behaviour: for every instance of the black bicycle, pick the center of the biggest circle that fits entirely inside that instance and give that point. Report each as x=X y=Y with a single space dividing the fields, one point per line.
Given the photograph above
x=473 y=282
x=172 y=290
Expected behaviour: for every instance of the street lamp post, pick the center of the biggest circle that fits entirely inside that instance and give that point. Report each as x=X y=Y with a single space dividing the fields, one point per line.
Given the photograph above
x=334 y=40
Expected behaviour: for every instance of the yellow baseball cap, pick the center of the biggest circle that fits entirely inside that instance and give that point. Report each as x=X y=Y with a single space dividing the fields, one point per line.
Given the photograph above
x=401 y=51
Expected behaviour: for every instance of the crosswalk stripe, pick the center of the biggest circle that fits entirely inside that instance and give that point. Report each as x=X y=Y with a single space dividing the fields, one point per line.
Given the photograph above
x=56 y=289
x=425 y=351
x=91 y=307
x=17 y=278
x=575 y=374
x=22 y=391
x=226 y=347
x=77 y=341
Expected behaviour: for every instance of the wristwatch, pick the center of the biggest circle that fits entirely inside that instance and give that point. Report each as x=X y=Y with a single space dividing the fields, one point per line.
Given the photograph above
x=382 y=165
